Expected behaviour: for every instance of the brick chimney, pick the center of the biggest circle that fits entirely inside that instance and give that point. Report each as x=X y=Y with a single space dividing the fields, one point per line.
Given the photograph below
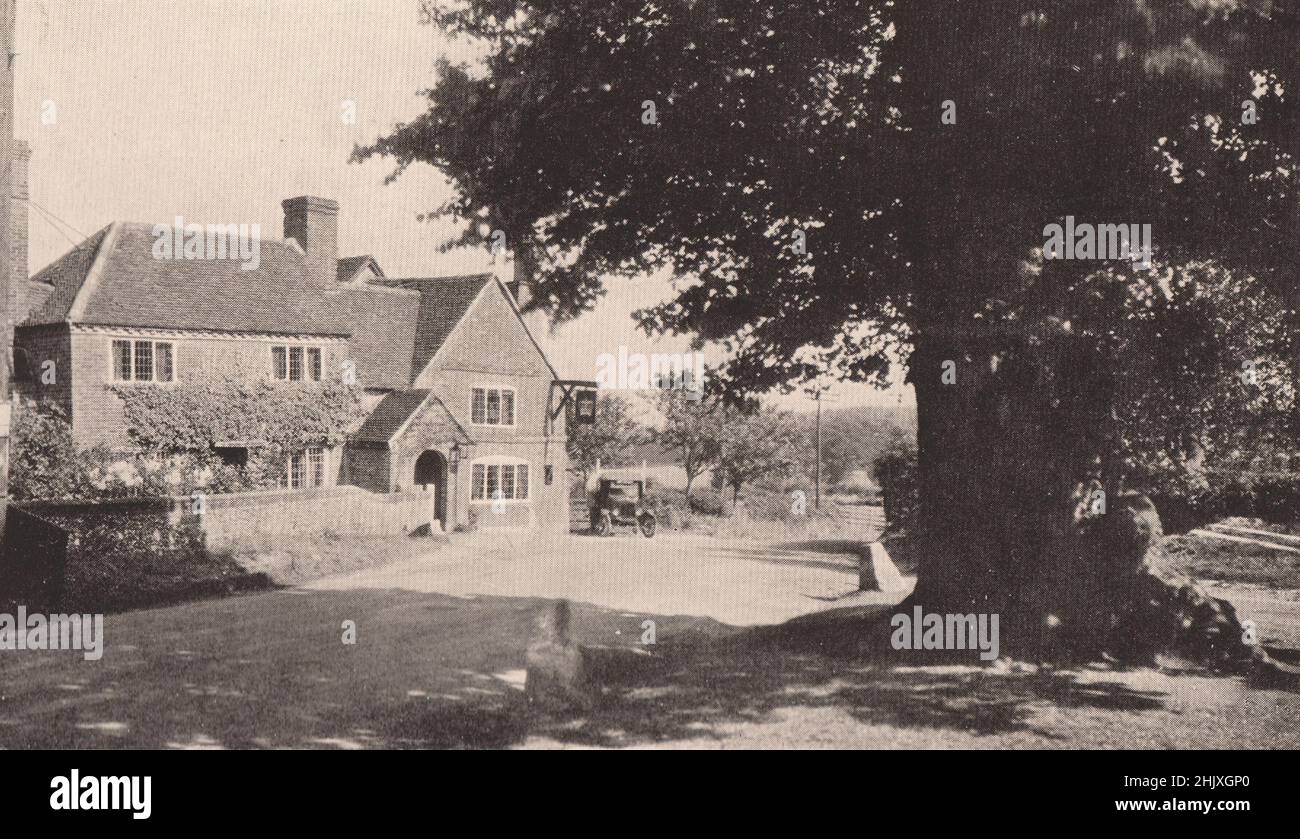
x=18 y=305
x=313 y=223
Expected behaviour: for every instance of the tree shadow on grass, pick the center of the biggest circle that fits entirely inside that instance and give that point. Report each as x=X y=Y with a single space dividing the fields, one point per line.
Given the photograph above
x=699 y=689
x=436 y=671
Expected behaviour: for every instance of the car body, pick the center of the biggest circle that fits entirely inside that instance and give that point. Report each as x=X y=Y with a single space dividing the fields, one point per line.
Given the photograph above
x=621 y=504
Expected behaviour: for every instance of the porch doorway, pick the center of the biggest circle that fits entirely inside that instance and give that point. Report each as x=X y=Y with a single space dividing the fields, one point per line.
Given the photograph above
x=431 y=478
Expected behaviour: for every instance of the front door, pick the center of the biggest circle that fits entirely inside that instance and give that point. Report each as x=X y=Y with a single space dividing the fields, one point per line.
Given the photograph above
x=431 y=477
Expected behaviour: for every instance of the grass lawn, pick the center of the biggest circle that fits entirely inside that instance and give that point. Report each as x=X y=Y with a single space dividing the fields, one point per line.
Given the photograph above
x=1241 y=559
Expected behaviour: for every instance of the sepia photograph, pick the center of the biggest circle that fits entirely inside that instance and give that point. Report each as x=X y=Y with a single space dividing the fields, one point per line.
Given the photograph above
x=755 y=375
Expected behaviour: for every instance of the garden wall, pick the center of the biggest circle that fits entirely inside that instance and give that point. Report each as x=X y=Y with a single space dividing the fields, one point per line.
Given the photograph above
x=344 y=510
x=127 y=553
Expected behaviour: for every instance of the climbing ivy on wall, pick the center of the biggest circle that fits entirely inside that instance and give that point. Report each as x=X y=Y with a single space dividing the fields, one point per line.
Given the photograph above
x=194 y=418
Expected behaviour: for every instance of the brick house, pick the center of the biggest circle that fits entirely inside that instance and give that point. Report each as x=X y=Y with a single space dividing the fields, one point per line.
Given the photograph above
x=456 y=391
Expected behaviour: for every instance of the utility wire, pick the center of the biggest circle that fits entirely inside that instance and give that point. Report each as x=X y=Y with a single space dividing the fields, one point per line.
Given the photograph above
x=54 y=221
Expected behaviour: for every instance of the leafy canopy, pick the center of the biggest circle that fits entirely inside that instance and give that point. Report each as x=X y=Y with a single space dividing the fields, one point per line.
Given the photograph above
x=823 y=116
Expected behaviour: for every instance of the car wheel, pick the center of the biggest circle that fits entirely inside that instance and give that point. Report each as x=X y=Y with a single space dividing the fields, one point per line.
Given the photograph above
x=648 y=525
x=603 y=525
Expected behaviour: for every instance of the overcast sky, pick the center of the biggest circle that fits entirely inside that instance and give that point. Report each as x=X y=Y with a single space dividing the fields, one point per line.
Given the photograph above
x=216 y=111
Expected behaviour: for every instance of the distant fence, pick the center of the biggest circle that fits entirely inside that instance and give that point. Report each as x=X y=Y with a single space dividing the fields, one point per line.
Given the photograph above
x=864 y=517
x=123 y=553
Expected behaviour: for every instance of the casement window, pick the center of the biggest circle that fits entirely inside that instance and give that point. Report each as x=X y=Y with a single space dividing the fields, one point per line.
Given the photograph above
x=143 y=361
x=506 y=476
x=316 y=466
x=305 y=469
x=296 y=364
x=492 y=406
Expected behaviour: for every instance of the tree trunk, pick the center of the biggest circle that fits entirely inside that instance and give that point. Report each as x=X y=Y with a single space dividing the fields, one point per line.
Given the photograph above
x=1022 y=512
x=690 y=479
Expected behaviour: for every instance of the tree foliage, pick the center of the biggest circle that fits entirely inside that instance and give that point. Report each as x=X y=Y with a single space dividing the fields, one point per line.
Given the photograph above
x=607 y=439
x=824 y=117
x=1205 y=377
x=755 y=443
x=692 y=430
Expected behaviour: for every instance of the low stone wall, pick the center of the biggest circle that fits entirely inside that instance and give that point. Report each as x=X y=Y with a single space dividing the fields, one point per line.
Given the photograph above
x=126 y=553
x=343 y=510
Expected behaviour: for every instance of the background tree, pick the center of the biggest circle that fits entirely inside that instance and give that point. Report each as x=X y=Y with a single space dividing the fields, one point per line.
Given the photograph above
x=852 y=438
x=1207 y=392
x=609 y=437
x=692 y=430
x=793 y=160
x=754 y=444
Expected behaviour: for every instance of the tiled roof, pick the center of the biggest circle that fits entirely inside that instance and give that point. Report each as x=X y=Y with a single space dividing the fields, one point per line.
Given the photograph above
x=382 y=322
x=443 y=302
x=37 y=294
x=394 y=326
x=63 y=278
x=396 y=408
x=113 y=279
x=350 y=265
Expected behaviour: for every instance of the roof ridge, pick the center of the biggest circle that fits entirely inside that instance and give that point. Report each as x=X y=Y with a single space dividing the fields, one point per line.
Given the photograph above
x=378 y=288
x=484 y=275
x=90 y=280
x=128 y=224
x=97 y=234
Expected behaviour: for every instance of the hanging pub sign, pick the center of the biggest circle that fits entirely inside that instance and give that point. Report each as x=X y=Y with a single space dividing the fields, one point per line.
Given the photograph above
x=585 y=403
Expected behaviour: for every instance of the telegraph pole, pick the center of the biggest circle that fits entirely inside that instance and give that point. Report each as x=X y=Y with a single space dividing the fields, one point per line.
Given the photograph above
x=817 y=469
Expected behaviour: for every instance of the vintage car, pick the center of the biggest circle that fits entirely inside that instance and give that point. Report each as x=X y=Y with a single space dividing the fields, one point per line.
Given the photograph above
x=619 y=504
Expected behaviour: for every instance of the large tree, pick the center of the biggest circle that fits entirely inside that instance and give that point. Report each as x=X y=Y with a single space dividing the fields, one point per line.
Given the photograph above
x=798 y=163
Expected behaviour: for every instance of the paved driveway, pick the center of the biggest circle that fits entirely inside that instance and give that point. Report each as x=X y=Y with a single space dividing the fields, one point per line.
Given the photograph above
x=733 y=582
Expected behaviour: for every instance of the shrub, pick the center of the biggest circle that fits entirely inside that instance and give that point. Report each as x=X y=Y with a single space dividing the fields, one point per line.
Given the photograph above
x=1277 y=497
x=47 y=464
x=707 y=502
x=44 y=462
x=1223 y=493
x=895 y=471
